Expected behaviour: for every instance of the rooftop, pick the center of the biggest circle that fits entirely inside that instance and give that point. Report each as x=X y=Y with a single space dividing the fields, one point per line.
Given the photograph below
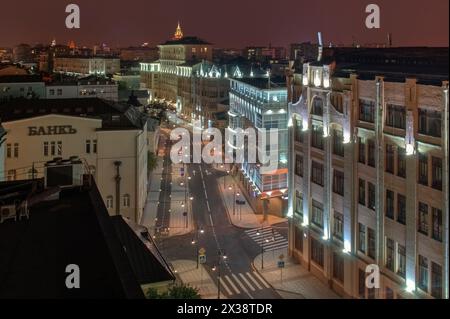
x=113 y=115
x=187 y=41
x=263 y=83
x=73 y=229
x=25 y=78
x=428 y=65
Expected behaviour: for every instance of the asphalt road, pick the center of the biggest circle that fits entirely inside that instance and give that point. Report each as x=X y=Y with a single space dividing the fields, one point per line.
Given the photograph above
x=239 y=280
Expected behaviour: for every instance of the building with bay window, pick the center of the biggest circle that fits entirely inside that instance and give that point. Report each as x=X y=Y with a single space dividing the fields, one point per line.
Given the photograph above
x=368 y=163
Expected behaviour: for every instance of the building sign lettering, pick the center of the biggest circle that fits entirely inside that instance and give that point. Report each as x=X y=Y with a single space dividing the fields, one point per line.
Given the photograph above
x=51 y=130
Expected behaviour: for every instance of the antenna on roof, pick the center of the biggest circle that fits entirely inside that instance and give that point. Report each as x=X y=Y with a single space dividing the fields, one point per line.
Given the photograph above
x=319 y=37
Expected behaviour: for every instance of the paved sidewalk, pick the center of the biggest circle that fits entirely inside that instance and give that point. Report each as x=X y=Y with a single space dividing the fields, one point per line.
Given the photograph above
x=242 y=216
x=295 y=282
x=199 y=278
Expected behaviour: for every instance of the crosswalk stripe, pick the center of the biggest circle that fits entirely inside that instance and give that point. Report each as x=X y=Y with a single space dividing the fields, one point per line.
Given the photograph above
x=224 y=285
x=247 y=282
x=239 y=283
x=232 y=285
x=261 y=279
x=277 y=238
x=254 y=281
x=276 y=244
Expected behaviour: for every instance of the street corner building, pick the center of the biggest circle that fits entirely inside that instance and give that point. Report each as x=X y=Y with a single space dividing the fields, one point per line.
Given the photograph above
x=110 y=139
x=368 y=172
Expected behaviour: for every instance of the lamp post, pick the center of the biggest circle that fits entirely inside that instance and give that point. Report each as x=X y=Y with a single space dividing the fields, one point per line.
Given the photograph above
x=195 y=241
x=232 y=188
x=221 y=255
x=258 y=233
x=238 y=195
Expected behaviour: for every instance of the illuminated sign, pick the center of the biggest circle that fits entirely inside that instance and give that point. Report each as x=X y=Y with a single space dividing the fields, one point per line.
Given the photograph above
x=51 y=130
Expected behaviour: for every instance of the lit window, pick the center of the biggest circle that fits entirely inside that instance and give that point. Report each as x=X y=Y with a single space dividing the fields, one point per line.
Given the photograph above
x=109 y=202
x=126 y=200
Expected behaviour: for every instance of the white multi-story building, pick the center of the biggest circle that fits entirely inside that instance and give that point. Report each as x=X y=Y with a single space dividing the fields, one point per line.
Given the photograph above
x=368 y=182
x=86 y=65
x=110 y=139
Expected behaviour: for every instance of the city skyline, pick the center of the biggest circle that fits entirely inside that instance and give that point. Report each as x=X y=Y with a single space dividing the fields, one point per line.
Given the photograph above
x=252 y=25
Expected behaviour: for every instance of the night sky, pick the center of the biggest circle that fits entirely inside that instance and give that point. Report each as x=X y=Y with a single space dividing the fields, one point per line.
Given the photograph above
x=231 y=23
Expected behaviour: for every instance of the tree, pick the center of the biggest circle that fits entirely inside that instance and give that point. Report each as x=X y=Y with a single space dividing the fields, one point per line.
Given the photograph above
x=179 y=291
x=152 y=162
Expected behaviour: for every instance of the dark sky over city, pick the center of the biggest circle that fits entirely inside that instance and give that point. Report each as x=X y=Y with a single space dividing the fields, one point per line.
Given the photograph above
x=231 y=23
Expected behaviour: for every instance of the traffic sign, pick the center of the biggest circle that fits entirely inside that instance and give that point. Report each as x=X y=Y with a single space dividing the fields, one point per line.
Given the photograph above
x=281 y=257
x=182 y=171
x=202 y=259
x=281 y=264
x=202 y=251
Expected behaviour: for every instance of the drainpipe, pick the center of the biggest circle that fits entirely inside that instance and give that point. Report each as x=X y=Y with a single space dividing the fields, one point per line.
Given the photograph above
x=118 y=179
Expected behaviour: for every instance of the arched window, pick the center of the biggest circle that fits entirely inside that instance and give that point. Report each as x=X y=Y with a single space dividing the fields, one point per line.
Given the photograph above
x=126 y=200
x=109 y=202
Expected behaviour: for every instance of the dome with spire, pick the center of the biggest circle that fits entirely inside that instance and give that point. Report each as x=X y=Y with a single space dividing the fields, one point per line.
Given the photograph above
x=178 y=33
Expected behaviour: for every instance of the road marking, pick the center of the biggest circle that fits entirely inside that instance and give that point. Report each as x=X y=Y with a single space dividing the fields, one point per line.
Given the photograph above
x=261 y=279
x=233 y=285
x=268 y=238
x=207 y=204
x=224 y=285
x=212 y=224
x=239 y=283
x=254 y=280
x=247 y=282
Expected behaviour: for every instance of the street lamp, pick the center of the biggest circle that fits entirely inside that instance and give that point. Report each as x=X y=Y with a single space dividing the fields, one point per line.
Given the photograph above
x=195 y=241
x=221 y=255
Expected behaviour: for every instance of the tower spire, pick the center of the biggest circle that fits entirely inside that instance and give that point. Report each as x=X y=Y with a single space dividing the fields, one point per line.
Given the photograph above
x=178 y=33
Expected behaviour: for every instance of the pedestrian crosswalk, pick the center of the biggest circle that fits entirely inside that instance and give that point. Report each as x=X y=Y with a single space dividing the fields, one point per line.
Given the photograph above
x=236 y=284
x=267 y=238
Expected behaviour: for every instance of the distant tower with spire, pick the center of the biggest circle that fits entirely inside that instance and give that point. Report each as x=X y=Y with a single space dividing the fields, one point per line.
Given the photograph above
x=178 y=33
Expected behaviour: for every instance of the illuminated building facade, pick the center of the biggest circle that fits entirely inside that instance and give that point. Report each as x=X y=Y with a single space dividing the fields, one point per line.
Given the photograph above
x=261 y=103
x=84 y=65
x=368 y=182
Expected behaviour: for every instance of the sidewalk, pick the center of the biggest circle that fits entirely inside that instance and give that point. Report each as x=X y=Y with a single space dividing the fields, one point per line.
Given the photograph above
x=242 y=216
x=296 y=282
x=199 y=278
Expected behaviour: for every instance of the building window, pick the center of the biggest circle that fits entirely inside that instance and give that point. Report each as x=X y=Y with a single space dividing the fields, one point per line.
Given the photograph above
x=390 y=157
x=8 y=150
x=361 y=150
x=430 y=123
x=45 y=148
x=317 y=137
x=371 y=251
x=423 y=219
x=317 y=107
x=423 y=169
x=371 y=151
x=317 y=252
x=437 y=224
x=317 y=214
x=16 y=150
x=338 y=267
x=338 y=143
x=299 y=205
x=88 y=146
x=389 y=293
x=362 y=238
x=436 y=173
x=362 y=284
x=11 y=175
x=390 y=254
x=109 y=202
x=366 y=111
x=94 y=146
x=371 y=200
x=401 y=268
x=436 y=281
x=317 y=173
x=299 y=165
x=401 y=162
x=59 y=148
x=299 y=239
x=338 y=225
x=362 y=192
x=423 y=273
x=338 y=182
x=390 y=198
x=126 y=200
x=298 y=134
x=53 y=148
x=401 y=209
x=396 y=116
